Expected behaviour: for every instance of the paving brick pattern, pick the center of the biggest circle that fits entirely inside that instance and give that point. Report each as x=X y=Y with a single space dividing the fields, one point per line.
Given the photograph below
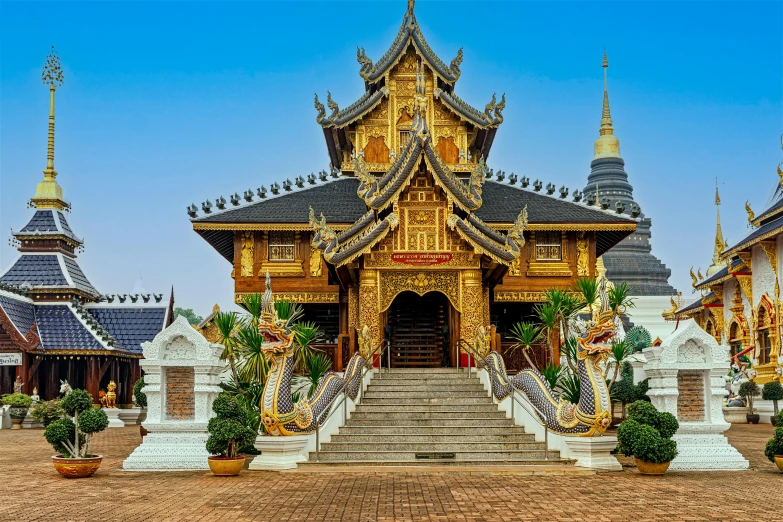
x=34 y=491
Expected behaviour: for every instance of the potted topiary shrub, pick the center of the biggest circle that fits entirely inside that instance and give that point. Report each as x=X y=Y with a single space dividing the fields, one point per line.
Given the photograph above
x=141 y=401
x=229 y=432
x=18 y=404
x=772 y=391
x=647 y=435
x=47 y=412
x=70 y=437
x=774 y=448
x=747 y=391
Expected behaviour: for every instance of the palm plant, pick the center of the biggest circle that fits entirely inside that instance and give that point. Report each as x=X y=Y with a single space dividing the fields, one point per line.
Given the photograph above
x=620 y=351
x=253 y=366
x=588 y=287
x=315 y=367
x=227 y=324
x=547 y=315
x=620 y=299
x=553 y=373
x=570 y=387
x=525 y=334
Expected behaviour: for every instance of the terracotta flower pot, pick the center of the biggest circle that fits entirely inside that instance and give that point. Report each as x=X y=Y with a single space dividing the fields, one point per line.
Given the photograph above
x=651 y=468
x=779 y=462
x=17 y=414
x=753 y=419
x=226 y=466
x=77 y=468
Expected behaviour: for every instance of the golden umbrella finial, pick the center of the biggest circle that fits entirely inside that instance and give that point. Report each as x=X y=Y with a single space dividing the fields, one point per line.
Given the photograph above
x=52 y=72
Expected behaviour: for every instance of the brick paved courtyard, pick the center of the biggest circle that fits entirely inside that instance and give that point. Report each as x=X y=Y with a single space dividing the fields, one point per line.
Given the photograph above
x=32 y=490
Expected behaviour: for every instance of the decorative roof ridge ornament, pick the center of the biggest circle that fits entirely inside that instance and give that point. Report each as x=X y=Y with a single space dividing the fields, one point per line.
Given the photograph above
x=332 y=105
x=515 y=237
x=48 y=193
x=751 y=214
x=455 y=63
x=321 y=110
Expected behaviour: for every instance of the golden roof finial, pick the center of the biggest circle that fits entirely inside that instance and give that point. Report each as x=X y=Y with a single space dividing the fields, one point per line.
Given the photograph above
x=411 y=5
x=720 y=242
x=607 y=145
x=49 y=194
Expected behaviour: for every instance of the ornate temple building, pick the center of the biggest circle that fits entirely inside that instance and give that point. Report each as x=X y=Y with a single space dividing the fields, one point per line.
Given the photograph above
x=54 y=324
x=631 y=261
x=410 y=233
x=740 y=293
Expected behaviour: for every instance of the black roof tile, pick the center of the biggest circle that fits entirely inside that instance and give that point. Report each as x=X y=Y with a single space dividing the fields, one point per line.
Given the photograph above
x=21 y=313
x=79 y=279
x=60 y=329
x=131 y=326
x=42 y=221
x=35 y=270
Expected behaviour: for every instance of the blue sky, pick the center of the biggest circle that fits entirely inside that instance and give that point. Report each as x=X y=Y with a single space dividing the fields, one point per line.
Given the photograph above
x=165 y=104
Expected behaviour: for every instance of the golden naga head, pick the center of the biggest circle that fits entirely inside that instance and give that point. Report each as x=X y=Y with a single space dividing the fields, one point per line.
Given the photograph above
x=277 y=333
x=601 y=330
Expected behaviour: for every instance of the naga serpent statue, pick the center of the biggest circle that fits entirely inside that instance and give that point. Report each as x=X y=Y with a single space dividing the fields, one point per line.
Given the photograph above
x=281 y=415
x=592 y=415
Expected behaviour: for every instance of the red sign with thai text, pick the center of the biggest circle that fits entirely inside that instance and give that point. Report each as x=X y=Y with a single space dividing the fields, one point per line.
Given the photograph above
x=421 y=259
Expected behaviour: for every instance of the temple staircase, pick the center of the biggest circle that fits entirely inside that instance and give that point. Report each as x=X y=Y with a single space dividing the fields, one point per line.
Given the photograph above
x=433 y=416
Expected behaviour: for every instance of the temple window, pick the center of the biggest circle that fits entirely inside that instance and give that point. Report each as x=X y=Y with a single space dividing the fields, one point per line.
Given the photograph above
x=735 y=339
x=282 y=246
x=764 y=344
x=405 y=138
x=548 y=246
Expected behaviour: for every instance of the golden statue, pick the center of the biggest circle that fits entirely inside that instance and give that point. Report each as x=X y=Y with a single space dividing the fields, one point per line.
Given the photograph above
x=582 y=256
x=365 y=342
x=316 y=263
x=751 y=214
x=694 y=278
x=109 y=399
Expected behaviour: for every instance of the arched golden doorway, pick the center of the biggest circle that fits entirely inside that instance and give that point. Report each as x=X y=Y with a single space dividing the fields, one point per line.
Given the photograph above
x=418 y=330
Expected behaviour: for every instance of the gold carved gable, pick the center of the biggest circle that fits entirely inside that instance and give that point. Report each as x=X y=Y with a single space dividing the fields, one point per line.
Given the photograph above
x=422 y=239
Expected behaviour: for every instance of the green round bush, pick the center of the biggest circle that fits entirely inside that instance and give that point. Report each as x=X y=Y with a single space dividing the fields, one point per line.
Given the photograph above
x=93 y=421
x=76 y=400
x=774 y=446
x=19 y=400
x=779 y=419
x=667 y=424
x=60 y=431
x=626 y=435
x=141 y=397
x=772 y=391
x=227 y=407
x=749 y=389
x=643 y=412
x=47 y=412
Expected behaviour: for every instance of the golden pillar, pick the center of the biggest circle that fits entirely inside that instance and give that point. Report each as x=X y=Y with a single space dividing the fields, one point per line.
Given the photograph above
x=369 y=313
x=472 y=305
x=353 y=309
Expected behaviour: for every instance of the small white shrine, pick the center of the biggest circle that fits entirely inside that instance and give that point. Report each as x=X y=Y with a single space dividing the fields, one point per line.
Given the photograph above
x=686 y=379
x=181 y=380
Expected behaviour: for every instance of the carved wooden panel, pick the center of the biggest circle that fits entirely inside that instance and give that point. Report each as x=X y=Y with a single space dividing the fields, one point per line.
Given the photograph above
x=376 y=150
x=448 y=150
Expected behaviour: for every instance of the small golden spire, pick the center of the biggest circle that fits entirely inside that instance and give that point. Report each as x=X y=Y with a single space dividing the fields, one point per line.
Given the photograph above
x=49 y=194
x=607 y=145
x=720 y=242
x=780 y=165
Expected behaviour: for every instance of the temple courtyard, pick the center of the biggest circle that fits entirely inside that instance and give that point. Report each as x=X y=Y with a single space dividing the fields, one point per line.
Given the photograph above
x=36 y=492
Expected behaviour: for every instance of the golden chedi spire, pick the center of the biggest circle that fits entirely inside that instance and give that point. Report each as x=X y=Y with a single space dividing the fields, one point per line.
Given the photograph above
x=607 y=145
x=720 y=243
x=49 y=194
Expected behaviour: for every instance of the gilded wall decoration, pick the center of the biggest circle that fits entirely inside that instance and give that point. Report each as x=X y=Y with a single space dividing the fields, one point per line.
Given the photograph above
x=393 y=283
x=472 y=306
x=582 y=255
x=507 y=296
x=353 y=308
x=717 y=315
x=247 y=255
x=514 y=270
x=297 y=297
x=384 y=259
x=316 y=263
x=369 y=313
x=746 y=283
x=485 y=299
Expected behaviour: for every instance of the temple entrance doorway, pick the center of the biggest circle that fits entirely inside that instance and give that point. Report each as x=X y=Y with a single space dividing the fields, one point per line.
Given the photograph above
x=417 y=330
